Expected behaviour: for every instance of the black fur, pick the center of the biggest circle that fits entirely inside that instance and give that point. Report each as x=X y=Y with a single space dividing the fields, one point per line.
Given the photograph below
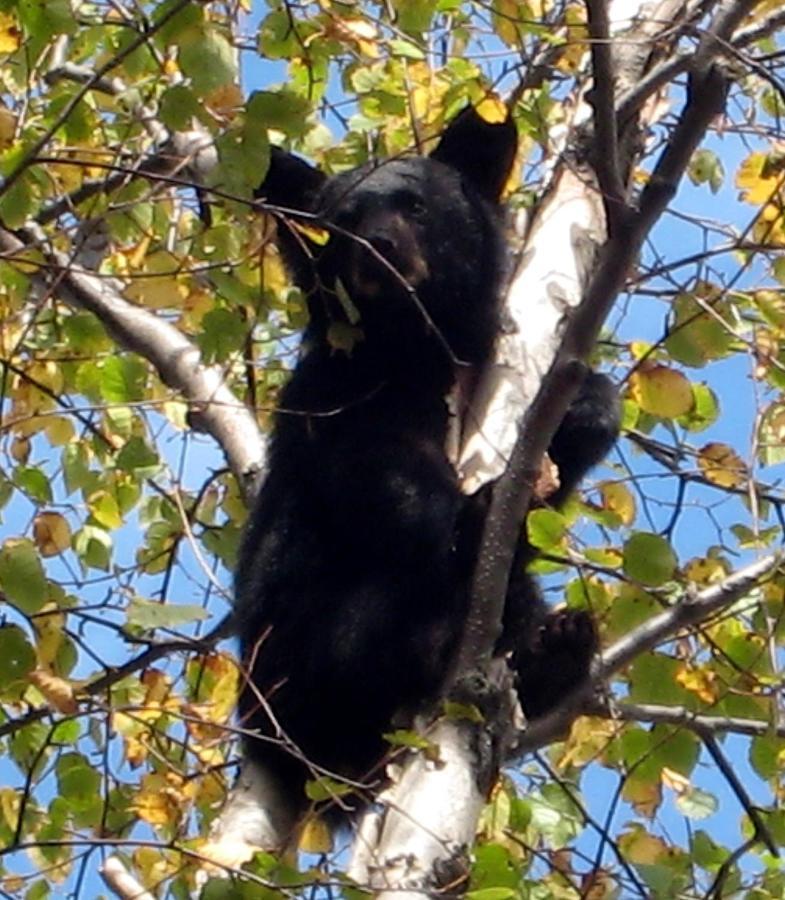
x=352 y=582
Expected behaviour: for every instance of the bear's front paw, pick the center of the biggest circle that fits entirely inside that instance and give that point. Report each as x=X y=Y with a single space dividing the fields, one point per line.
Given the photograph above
x=556 y=661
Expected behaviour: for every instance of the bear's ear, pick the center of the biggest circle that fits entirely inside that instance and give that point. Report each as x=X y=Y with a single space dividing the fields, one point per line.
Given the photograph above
x=290 y=182
x=483 y=152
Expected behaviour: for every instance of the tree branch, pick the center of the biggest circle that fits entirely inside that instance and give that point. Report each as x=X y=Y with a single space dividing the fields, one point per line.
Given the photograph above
x=175 y=358
x=663 y=627
x=606 y=141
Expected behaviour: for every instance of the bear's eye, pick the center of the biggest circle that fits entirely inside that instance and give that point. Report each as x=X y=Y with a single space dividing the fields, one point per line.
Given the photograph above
x=411 y=205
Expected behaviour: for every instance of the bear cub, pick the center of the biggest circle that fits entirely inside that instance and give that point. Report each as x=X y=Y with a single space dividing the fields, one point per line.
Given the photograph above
x=353 y=579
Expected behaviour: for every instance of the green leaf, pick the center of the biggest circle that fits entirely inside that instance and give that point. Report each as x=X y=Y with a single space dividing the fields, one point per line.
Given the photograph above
x=17 y=659
x=495 y=893
x=282 y=110
x=44 y=19
x=123 y=379
x=22 y=578
x=649 y=559
x=34 y=483
x=406 y=49
x=179 y=105
x=77 y=780
x=494 y=868
x=706 y=168
x=771 y=435
x=85 y=333
x=697 y=804
x=652 y=679
x=326 y=789
x=280 y=39
x=765 y=755
x=148 y=615
x=706 y=853
x=411 y=739
x=545 y=528
x=224 y=333
x=93 y=546
x=697 y=336
x=705 y=410
x=137 y=456
x=207 y=58
x=17 y=203
x=76 y=470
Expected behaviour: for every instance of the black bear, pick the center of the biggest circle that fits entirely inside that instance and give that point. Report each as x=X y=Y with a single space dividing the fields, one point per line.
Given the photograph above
x=352 y=583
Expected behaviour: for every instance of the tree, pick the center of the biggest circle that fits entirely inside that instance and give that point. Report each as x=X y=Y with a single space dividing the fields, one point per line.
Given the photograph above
x=142 y=306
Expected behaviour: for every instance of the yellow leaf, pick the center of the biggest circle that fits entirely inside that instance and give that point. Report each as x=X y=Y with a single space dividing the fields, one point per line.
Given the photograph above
x=136 y=258
x=575 y=48
x=10 y=802
x=706 y=570
x=759 y=177
x=225 y=101
x=699 y=681
x=641 y=847
x=645 y=795
x=51 y=533
x=506 y=17
x=661 y=391
x=164 y=292
x=315 y=836
x=617 y=498
x=104 y=509
x=492 y=109
x=587 y=740
x=59 y=430
x=10 y=35
x=48 y=374
x=49 y=631
x=154 y=867
x=7 y=123
x=769 y=227
x=58 y=692
x=159 y=801
x=722 y=465
x=316 y=235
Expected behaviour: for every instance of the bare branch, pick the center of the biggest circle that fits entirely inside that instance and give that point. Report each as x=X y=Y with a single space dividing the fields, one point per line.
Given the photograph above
x=762 y=833
x=681 y=717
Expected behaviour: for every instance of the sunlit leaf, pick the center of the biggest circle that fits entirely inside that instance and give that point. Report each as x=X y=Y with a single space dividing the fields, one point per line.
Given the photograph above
x=649 y=558
x=722 y=465
x=22 y=577
x=661 y=391
x=147 y=614
x=52 y=533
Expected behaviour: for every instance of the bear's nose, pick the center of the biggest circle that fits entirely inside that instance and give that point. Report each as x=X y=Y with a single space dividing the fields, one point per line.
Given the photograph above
x=384 y=245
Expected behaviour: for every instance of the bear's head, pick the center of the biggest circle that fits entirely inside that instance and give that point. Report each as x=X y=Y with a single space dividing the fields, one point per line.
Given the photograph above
x=409 y=249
